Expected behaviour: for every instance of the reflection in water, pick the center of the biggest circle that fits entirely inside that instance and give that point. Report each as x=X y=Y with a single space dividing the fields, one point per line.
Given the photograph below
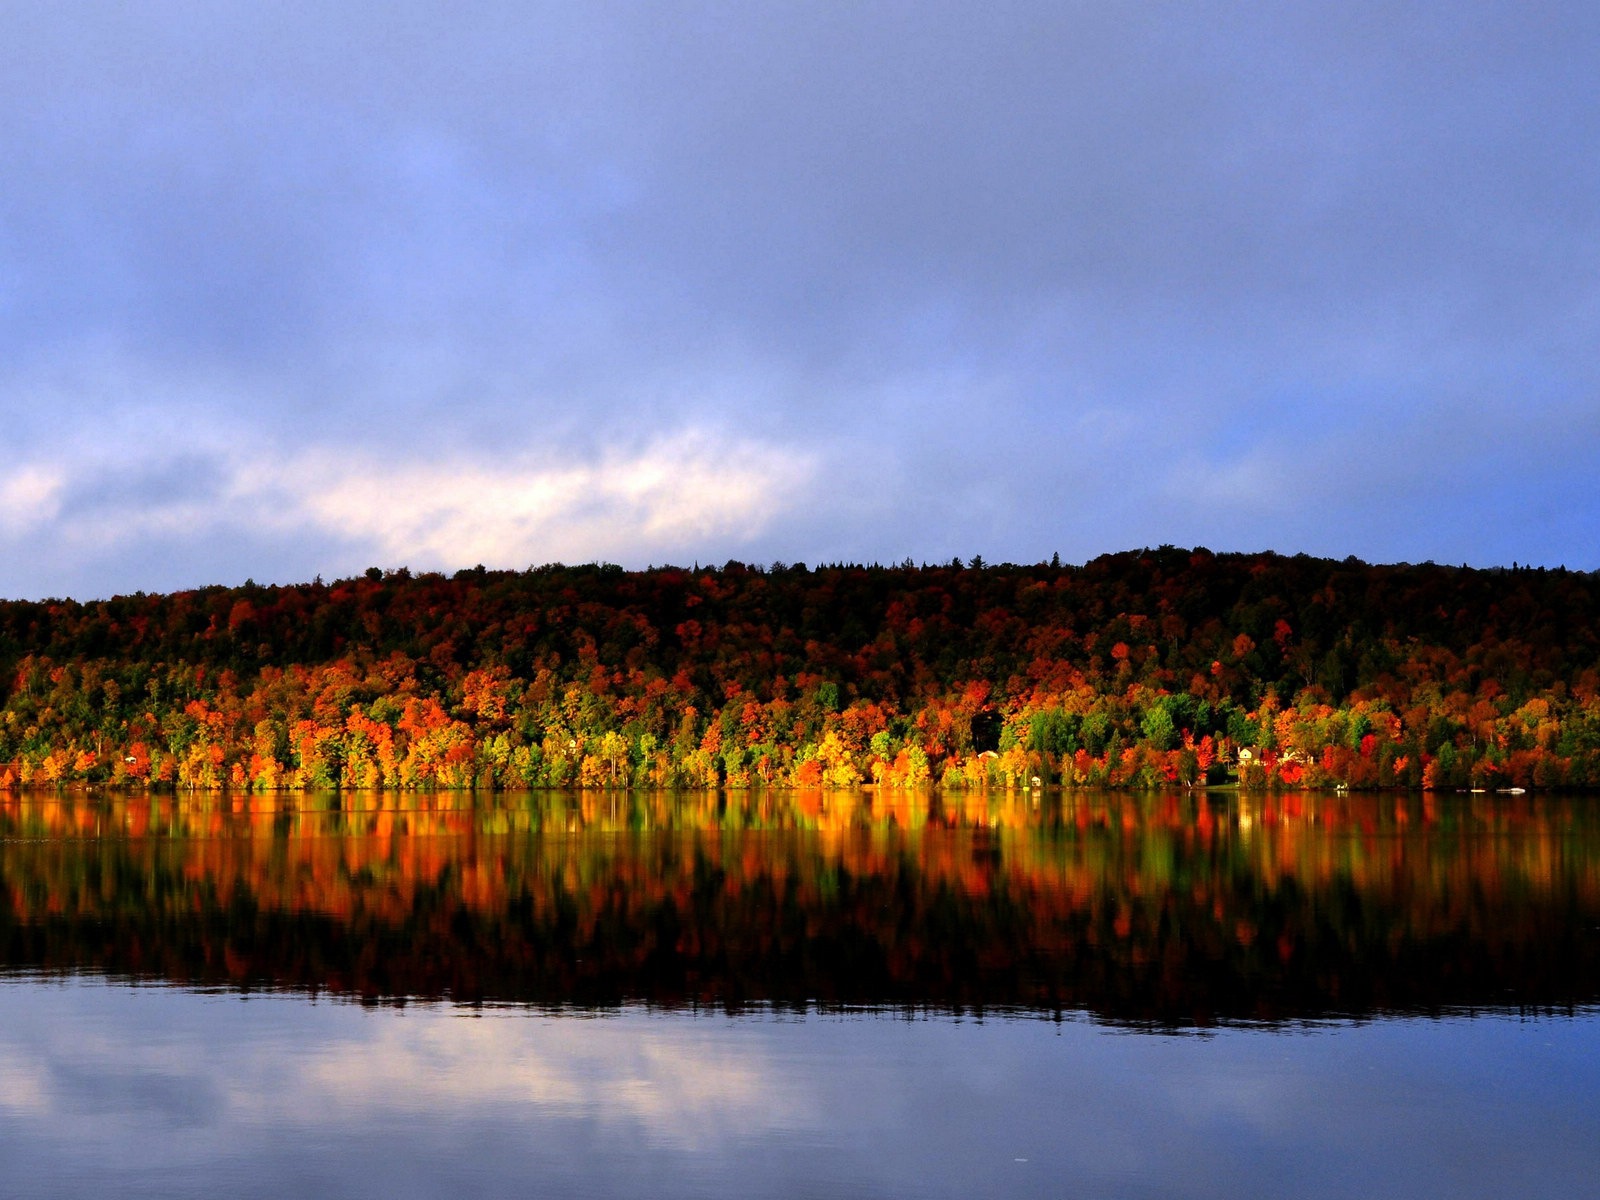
x=1173 y=910
x=599 y=929
x=107 y=1090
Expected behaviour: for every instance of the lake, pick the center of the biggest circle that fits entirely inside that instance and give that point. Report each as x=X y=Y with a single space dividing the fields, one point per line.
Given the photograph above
x=799 y=994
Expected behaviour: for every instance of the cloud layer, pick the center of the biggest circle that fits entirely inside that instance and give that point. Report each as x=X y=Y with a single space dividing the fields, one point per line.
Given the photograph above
x=1038 y=277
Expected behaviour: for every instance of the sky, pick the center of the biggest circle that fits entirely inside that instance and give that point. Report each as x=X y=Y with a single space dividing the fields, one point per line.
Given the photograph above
x=298 y=289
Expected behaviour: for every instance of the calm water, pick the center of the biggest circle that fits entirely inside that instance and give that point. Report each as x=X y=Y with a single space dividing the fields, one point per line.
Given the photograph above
x=817 y=995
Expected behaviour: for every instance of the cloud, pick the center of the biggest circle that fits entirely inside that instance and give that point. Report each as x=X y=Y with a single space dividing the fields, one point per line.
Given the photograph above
x=29 y=497
x=666 y=496
x=1009 y=277
x=670 y=495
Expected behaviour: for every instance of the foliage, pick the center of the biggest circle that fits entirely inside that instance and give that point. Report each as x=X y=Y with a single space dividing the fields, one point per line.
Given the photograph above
x=1139 y=669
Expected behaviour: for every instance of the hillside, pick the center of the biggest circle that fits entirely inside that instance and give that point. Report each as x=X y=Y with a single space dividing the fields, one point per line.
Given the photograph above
x=1135 y=669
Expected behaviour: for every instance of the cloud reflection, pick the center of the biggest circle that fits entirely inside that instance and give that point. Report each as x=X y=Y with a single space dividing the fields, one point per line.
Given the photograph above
x=680 y=1085
x=104 y=1085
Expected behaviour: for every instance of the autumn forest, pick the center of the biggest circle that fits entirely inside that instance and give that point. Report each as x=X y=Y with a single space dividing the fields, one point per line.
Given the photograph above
x=1145 y=669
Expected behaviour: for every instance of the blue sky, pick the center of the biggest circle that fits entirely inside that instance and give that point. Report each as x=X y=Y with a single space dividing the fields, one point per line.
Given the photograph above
x=295 y=288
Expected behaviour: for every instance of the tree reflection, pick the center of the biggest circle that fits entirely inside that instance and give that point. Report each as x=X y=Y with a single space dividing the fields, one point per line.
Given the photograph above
x=1181 y=908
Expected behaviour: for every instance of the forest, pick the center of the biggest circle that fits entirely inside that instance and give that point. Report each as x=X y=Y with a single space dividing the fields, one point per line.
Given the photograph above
x=1145 y=669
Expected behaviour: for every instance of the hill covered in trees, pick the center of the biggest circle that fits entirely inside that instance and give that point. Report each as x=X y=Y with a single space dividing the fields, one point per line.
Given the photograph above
x=1146 y=668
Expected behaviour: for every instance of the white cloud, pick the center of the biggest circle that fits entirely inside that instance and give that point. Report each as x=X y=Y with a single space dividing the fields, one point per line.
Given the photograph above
x=29 y=497
x=690 y=489
x=686 y=494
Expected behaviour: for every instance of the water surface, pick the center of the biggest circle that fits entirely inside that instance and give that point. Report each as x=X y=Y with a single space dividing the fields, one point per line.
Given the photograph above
x=818 y=995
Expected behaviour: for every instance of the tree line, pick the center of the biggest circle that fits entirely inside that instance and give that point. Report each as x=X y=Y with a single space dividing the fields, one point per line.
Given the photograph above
x=1142 y=669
